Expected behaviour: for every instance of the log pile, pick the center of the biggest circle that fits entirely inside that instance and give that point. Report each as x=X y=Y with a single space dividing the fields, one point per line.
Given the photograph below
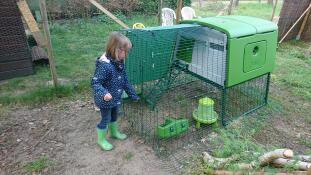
x=276 y=158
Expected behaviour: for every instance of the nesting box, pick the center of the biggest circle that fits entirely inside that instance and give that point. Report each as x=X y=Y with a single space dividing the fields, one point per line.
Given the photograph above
x=227 y=59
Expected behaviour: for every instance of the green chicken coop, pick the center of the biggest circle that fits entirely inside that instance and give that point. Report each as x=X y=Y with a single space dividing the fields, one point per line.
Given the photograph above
x=227 y=59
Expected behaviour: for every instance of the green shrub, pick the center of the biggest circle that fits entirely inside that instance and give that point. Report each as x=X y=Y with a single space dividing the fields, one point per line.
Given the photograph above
x=61 y=9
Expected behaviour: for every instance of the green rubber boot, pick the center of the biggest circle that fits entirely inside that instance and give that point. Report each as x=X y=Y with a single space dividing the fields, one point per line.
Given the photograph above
x=102 y=141
x=114 y=132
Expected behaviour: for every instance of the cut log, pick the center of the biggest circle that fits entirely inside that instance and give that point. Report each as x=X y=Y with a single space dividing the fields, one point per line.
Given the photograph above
x=217 y=162
x=222 y=172
x=299 y=165
x=278 y=153
x=304 y=158
x=247 y=166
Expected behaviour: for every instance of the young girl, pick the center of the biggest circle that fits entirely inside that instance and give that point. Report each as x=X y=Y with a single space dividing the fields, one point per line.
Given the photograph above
x=108 y=83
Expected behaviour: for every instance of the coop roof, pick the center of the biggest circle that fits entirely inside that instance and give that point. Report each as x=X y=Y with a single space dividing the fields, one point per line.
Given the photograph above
x=171 y=27
x=236 y=26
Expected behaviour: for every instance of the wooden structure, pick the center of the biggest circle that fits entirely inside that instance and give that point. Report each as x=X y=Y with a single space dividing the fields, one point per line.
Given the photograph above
x=15 y=56
x=291 y=11
x=31 y=22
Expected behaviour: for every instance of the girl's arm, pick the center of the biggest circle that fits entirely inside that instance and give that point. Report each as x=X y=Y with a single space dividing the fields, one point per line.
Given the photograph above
x=129 y=88
x=100 y=76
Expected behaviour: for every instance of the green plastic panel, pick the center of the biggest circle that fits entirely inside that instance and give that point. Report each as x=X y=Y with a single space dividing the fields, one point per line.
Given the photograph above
x=235 y=26
x=242 y=63
x=254 y=55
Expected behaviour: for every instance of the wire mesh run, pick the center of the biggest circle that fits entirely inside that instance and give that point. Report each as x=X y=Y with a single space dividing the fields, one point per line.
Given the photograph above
x=15 y=57
x=180 y=102
x=180 y=74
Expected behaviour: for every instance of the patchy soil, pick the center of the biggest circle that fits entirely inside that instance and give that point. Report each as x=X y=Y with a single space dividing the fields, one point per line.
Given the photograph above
x=289 y=126
x=65 y=133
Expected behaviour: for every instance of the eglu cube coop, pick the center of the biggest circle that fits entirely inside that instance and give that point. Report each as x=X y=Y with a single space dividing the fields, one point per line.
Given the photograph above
x=194 y=74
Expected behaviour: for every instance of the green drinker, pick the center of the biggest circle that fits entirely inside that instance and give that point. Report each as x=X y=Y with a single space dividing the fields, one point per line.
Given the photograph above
x=205 y=113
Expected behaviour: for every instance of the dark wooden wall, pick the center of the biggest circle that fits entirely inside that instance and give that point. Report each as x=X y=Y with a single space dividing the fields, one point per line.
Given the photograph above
x=15 y=56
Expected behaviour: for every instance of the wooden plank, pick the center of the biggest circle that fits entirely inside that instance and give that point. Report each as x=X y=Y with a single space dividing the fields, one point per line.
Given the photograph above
x=302 y=27
x=30 y=21
x=48 y=39
x=273 y=11
x=100 y=7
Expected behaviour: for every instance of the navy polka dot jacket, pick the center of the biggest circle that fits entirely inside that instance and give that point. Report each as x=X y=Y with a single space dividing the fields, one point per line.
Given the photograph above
x=110 y=77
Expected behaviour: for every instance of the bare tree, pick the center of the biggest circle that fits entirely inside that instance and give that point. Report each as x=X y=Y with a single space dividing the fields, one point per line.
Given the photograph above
x=236 y=3
x=200 y=3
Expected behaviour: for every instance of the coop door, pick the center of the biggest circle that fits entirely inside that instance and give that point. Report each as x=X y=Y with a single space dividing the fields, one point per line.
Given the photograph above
x=254 y=55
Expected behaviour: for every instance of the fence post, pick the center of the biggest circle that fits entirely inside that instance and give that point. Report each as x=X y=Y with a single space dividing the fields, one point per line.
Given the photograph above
x=179 y=4
x=273 y=11
x=48 y=40
x=230 y=7
x=160 y=5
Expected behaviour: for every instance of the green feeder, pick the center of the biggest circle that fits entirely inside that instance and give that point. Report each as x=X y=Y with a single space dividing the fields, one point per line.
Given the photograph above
x=205 y=112
x=125 y=96
x=172 y=127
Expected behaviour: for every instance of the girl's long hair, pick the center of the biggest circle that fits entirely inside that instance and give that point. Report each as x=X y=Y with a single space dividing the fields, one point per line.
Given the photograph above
x=115 y=42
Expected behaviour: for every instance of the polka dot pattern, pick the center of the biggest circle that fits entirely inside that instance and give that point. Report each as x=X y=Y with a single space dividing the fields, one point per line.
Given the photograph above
x=110 y=77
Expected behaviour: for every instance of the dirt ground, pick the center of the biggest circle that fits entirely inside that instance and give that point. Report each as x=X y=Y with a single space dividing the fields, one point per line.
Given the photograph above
x=64 y=132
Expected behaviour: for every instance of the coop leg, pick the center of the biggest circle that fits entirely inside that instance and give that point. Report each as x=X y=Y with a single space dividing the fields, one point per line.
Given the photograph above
x=198 y=125
x=223 y=106
x=267 y=88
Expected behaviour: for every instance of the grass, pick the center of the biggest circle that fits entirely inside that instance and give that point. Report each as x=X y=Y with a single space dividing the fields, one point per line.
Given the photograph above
x=128 y=156
x=4 y=111
x=293 y=68
x=255 y=9
x=38 y=165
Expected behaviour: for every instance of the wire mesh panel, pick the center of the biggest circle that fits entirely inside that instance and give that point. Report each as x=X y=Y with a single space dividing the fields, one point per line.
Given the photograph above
x=15 y=57
x=174 y=110
x=245 y=97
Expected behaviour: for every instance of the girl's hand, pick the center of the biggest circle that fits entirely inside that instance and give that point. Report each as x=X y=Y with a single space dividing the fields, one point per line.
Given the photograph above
x=107 y=97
